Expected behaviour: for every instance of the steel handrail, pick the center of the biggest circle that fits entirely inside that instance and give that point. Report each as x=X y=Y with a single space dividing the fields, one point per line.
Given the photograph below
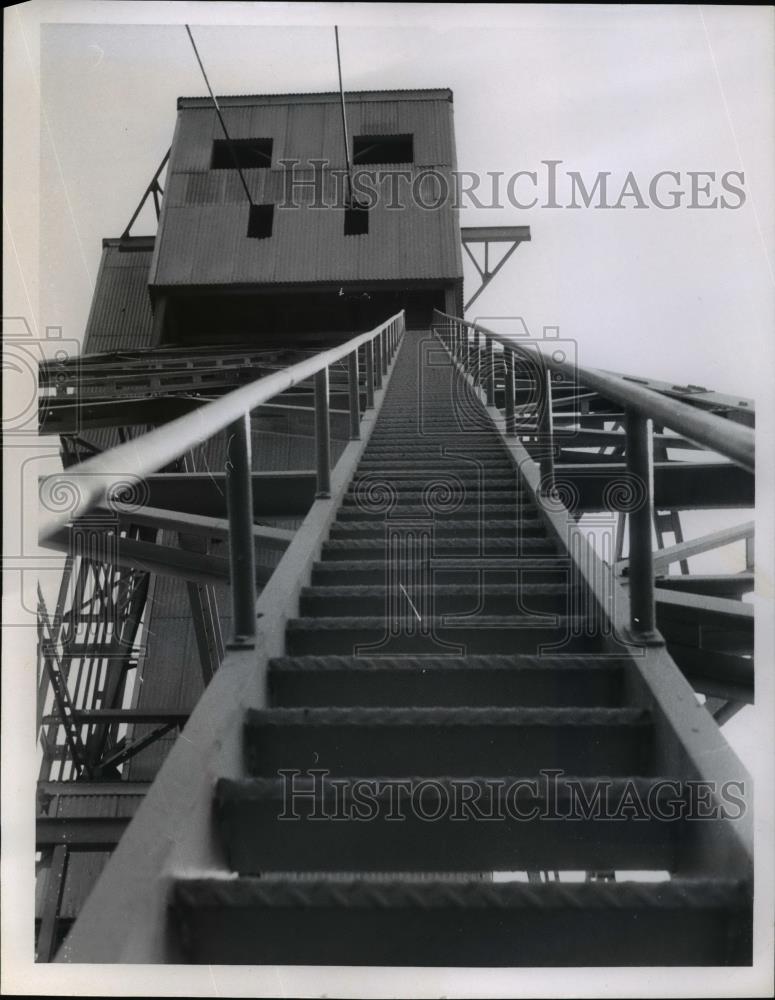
x=733 y=441
x=145 y=455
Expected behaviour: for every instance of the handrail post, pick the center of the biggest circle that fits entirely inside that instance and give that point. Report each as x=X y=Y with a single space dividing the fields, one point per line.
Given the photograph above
x=546 y=431
x=376 y=362
x=490 y=371
x=383 y=352
x=511 y=417
x=322 y=434
x=641 y=566
x=354 y=390
x=239 y=503
x=367 y=347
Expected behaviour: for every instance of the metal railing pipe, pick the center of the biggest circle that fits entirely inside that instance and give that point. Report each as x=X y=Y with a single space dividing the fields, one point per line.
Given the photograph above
x=734 y=441
x=94 y=479
x=239 y=503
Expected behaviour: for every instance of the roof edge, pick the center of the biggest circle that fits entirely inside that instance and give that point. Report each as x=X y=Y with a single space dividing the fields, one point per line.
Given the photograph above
x=323 y=97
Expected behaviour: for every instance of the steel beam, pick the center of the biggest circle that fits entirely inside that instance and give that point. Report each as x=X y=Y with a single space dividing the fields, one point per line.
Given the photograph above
x=713 y=585
x=677 y=485
x=696 y=546
x=49 y=925
x=166 y=560
x=92 y=833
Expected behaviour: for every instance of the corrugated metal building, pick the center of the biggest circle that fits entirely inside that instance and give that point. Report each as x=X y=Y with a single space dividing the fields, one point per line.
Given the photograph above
x=303 y=269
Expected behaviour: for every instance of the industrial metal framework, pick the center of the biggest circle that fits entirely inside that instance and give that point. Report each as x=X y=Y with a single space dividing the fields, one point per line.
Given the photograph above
x=487 y=236
x=582 y=440
x=278 y=569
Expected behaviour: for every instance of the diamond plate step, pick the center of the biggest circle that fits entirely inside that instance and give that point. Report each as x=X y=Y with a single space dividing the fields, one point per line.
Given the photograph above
x=406 y=923
x=438 y=599
x=505 y=548
x=508 y=823
x=450 y=741
x=445 y=681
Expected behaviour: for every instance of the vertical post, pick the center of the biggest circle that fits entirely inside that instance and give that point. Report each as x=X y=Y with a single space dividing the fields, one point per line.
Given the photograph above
x=322 y=434
x=641 y=564
x=750 y=560
x=511 y=418
x=546 y=431
x=239 y=503
x=369 y=352
x=354 y=391
x=55 y=887
x=490 y=371
x=377 y=363
x=383 y=351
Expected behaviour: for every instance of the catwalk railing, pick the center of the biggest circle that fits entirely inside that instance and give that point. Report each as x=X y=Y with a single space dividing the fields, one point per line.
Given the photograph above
x=105 y=478
x=482 y=353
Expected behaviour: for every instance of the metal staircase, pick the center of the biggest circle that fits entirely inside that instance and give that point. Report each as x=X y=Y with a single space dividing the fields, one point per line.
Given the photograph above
x=427 y=655
x=440 y=693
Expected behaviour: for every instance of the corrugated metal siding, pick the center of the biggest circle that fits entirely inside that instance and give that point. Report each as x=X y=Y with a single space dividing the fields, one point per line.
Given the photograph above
x=120 y=316
x=202 y=237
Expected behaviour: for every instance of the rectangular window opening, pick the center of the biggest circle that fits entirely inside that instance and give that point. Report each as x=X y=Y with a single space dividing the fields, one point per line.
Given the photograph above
x=249 y=154
x=260 y=221
x=383 y=149
x=356 y=221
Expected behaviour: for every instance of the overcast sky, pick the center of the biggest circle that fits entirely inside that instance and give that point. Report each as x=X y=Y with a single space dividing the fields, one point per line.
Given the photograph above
x=681 y=294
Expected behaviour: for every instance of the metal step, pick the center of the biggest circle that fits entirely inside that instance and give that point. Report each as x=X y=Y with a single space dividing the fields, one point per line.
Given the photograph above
x=405 y=923
x=403 y=473
x=456 y=635
x=440 y=824
x=507 y=548
x=526 y=681
x=452 y=741
x=421 y=449
x=486 y=512
x=473 y=529
x=463 y=570
x=473 y=466
x=438 y=599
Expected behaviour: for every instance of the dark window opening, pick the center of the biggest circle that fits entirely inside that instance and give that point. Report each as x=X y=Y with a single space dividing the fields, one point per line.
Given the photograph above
x=260 y=221
x=356 y=221
x=383 y=149
x=249 y=154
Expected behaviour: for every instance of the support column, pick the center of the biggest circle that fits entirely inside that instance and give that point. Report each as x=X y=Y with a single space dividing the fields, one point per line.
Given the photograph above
x=239 y=502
